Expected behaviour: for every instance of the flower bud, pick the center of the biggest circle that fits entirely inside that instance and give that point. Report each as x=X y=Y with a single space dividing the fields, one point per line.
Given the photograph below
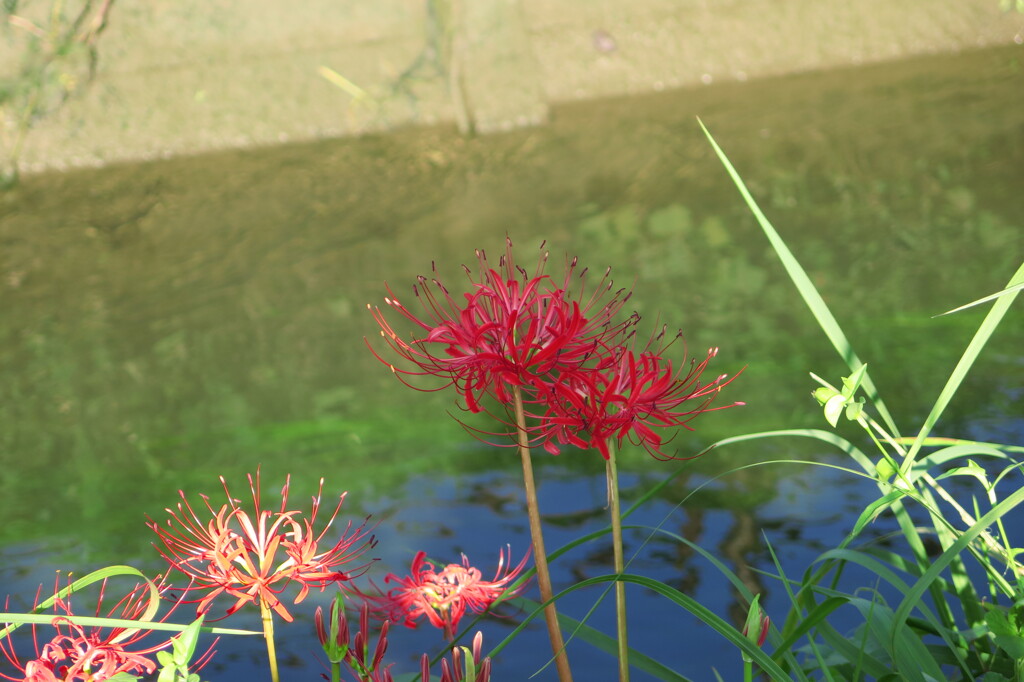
x=334 y=641
x=757 y=625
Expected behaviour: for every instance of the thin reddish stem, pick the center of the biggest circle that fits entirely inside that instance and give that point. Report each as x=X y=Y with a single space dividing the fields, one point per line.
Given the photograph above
x=540 y=556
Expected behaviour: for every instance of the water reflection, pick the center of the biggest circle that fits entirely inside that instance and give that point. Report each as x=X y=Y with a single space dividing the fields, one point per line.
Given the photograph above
x=167 y=323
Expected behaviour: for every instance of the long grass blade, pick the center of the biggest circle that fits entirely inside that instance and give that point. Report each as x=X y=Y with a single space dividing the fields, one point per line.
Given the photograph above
x=93 y=621
x=907 y=651
x=89 y=578
x=1008 y=290
x=912 y=598
x=708 y=617
x=787 y=652
x=812 y=619
x=805 y=287
x=840 y=443
x=609 y=645
x=981 y=337
x=885 y=572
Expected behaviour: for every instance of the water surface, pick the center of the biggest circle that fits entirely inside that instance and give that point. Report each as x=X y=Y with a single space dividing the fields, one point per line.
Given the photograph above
x=168 y=323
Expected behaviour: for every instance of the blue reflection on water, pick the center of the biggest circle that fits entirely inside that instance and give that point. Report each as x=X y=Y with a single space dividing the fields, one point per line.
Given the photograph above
x=811 y=511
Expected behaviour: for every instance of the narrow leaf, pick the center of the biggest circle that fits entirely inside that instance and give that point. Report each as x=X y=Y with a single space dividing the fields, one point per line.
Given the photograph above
x=803 y=283
x=988 y=326
x=965 y=306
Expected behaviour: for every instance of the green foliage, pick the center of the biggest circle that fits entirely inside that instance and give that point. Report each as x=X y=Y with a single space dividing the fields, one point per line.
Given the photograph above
x=174 y=663
x=939 y=629
x=836 y=401
x=957 y=615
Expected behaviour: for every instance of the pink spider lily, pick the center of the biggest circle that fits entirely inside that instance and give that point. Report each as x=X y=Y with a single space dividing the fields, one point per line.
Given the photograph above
x=511 y=330
x=253 y=557
x=95 y=653
x=443 y=596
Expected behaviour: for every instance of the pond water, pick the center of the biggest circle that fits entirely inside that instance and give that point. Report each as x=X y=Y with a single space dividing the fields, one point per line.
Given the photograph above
x=168 y=323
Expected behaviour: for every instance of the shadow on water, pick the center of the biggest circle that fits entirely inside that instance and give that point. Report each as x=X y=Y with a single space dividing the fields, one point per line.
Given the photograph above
x=171 y=322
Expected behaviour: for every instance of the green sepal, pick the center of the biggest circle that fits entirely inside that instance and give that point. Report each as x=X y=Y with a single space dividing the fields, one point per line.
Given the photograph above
x=884 y=470
x=834 y=408
x=824 y=393
x=835 y=401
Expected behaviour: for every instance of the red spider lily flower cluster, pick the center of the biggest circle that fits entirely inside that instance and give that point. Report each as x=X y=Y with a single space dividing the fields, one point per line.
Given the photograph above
x=95 y=653
x=444 y=595
x=253 y=557
x=635 y=395
x=560 y=346
x=513 y=329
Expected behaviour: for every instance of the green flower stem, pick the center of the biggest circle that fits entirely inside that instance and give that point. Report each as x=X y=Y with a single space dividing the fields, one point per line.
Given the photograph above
x=620 y=587
x=268 y=634
x=540 y=557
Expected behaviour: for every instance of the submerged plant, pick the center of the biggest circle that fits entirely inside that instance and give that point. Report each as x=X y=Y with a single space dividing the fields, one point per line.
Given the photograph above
x=556 y=367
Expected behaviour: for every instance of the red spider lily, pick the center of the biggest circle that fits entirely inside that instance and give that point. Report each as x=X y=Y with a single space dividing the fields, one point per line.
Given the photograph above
x=443 y=596
x=581 y=384
x=95 y=653
x=237 y=553
x=474 y=670
x=632 y=397
x=512 y=329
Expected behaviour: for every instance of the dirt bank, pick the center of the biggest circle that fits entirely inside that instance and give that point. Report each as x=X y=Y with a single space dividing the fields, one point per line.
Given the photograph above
x=186 y=76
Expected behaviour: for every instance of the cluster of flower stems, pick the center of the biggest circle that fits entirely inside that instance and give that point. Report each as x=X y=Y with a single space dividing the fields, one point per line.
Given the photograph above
x=556 y=362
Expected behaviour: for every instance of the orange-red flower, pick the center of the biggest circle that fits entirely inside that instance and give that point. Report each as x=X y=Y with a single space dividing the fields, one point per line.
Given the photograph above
x=254 y=556
x=93 y=653
x=443 y=596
